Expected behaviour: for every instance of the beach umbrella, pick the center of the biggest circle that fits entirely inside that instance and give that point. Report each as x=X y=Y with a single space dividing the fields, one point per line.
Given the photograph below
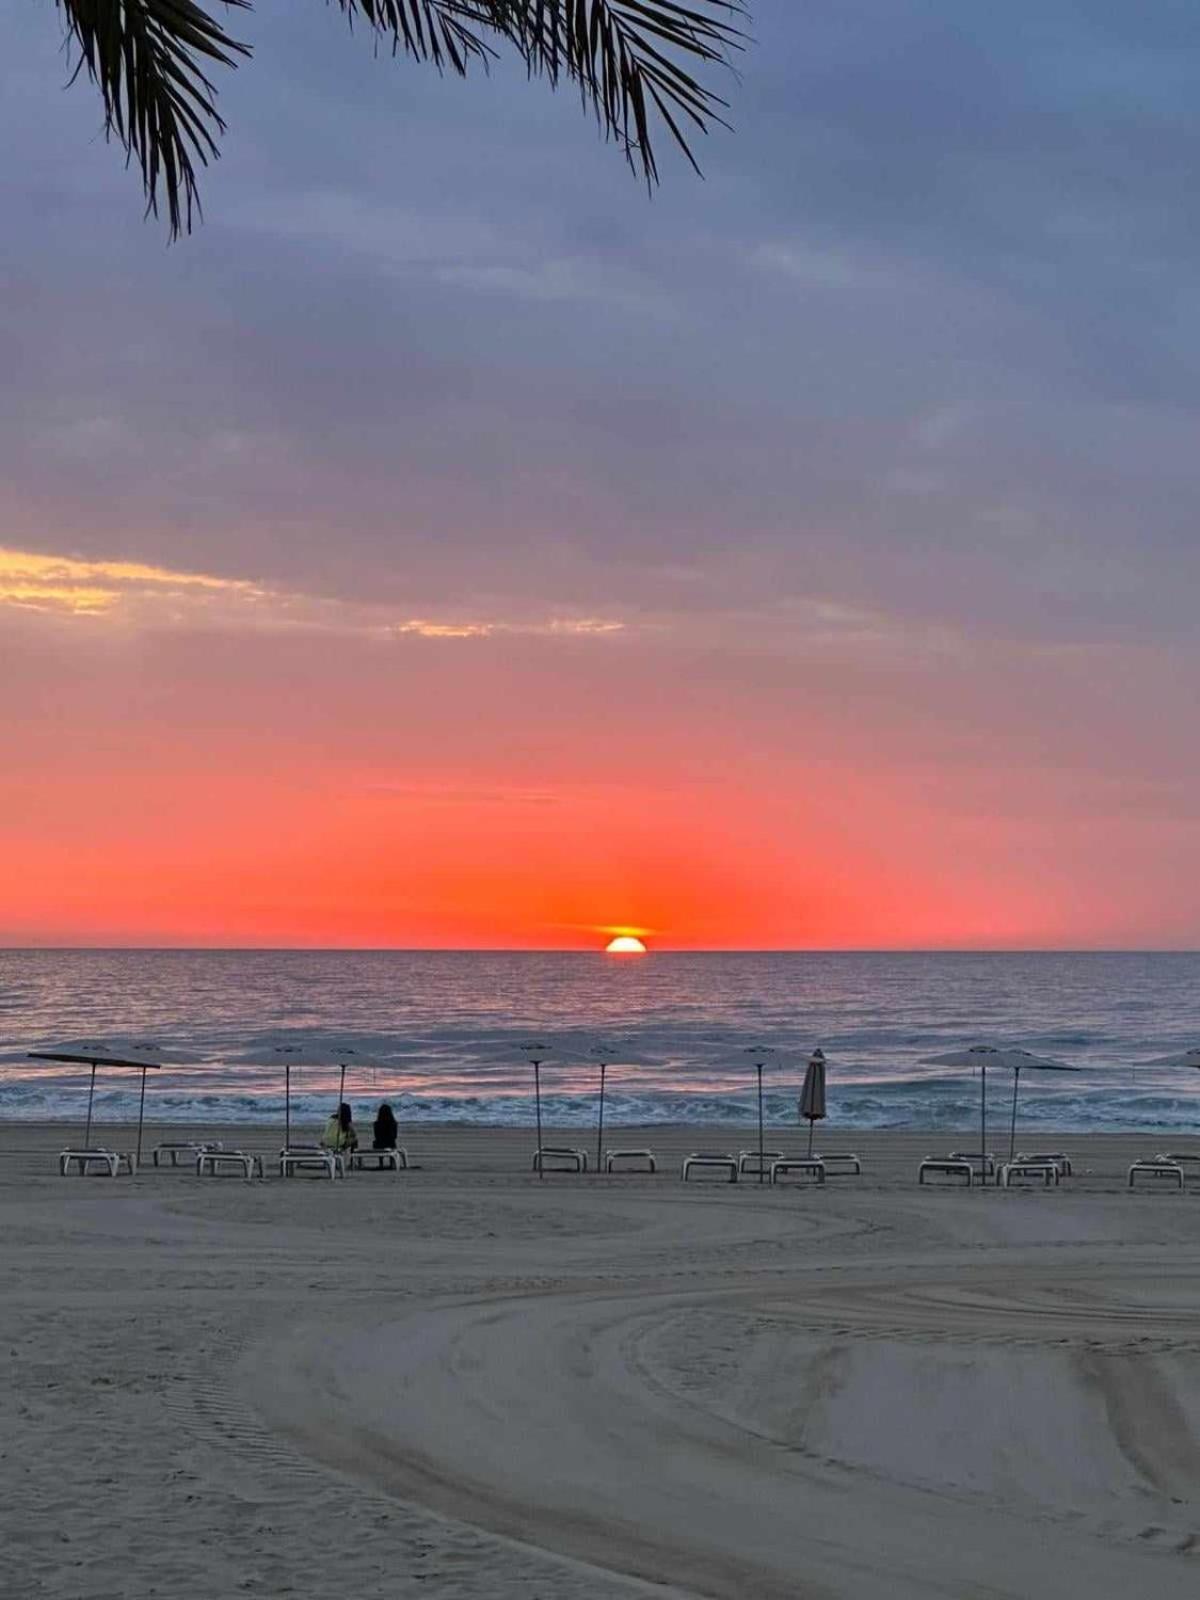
x=984 y=1056
x=603 y=1053
x=93 y=1054
x=535 y=1054
x=758 y=1054
x=812 y=1095
x=288 y=1051
x=1032 y=1066
x=1178 y=1058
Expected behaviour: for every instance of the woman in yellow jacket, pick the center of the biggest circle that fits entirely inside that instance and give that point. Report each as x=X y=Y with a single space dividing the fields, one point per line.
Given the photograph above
x=339 y=1132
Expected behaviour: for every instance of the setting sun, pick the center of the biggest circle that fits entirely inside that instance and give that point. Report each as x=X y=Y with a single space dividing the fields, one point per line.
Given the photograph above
x=625 y=945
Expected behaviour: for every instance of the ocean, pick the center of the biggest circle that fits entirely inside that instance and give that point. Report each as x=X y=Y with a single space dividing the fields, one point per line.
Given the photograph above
x=442 y=1034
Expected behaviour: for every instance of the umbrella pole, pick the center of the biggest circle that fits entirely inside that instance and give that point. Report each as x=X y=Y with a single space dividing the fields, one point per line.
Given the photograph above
x=761 y=1175
x=341 y=1088
x=87 y=1137
x=983 y=1125
x=141 y=1117
x=811 y=1125
x=537 y=1095
x=1012 y=1132
x=600 y=1123
x=287 y=1104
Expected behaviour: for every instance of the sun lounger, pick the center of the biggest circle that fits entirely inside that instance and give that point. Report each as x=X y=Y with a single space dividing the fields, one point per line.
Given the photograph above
x=1025 y=1167
x=189 y=1149
x=809 y=1167
x=311 y=1158
x=748 y=1161
x=613 y=1157
x=1059 y=1158
x=983 y=1166
x=381 y=1160
x=715 y=1160
x=97 y=1159
x=211 y=1163
x=948 y=1166
x=839 y=1163
x=1156 y=1167
x=559 y=1158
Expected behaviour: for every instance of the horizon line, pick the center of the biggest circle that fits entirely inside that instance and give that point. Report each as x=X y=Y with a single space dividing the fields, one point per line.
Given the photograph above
x=576 y=950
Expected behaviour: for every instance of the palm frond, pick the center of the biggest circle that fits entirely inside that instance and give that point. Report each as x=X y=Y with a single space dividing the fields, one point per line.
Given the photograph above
x=623 y=55
x=633 y=61
x=147 y=58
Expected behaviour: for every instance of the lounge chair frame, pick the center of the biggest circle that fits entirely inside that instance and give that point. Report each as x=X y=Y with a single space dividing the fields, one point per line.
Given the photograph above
x=1048 y=1171
x=839 y=1163
x=1156 y=1167
x=713 y=1160
x=561 y=1157
x=613 y=1157
x=296 y=1159
x=948 y=1166
x=393 y=1160
x=810 y=1168
x=189 y=1149
x=109 y=1161
x=983 y=1165
x=752 y=1162
x=211 y=1163
x=1057 y=1158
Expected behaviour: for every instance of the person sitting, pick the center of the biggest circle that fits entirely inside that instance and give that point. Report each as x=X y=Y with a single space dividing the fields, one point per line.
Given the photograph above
x=386 y=1129
x=339 y=1132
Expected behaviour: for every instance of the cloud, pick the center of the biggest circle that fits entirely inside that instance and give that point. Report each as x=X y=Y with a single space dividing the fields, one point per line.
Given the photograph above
x=67 y=585
x=138 y=595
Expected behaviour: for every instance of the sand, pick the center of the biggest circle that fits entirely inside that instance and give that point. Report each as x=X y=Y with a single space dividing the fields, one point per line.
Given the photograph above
x=465 y=1383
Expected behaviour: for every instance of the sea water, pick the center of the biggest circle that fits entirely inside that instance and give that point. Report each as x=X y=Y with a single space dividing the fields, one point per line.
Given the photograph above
x=444 y=1035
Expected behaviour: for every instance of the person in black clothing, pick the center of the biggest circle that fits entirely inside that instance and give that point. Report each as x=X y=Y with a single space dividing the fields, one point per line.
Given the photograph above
x=386 y=1128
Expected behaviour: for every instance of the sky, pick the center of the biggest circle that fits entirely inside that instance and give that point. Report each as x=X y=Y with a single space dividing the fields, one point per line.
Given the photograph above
x=450 y=544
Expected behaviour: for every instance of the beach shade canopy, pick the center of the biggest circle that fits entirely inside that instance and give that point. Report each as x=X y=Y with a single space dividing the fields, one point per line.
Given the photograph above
x=1007 y=1057
x=759 y=1054
x=812 y=1095
x=1178 y=1058
x=605 y=1054
x=286 y=1051
x=536 y=1053
x=94 y=1054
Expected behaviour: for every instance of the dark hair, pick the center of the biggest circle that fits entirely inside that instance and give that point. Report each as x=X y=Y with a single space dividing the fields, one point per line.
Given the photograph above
x=344 y=1116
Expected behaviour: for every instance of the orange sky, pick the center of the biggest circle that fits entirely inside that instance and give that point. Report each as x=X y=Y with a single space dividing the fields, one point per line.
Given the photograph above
x=175 y=775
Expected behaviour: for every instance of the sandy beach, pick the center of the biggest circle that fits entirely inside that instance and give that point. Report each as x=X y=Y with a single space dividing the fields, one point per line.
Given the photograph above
x=462 y=1382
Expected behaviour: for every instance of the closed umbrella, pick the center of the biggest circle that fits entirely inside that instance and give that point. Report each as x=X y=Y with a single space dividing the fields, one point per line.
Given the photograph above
x=812 y=1095
x=984 y=1056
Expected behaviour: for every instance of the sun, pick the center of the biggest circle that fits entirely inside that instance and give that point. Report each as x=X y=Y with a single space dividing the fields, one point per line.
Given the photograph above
x=625 y=945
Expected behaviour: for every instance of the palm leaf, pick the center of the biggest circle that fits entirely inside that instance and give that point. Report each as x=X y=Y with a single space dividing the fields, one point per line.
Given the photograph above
x=147 y=57
x=621 y=54
x=626 y=57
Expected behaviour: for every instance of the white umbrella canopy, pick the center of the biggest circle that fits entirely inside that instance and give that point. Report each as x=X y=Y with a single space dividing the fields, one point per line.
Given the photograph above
x=1178 y=1058
x=984 y=1056
x=287 y=1050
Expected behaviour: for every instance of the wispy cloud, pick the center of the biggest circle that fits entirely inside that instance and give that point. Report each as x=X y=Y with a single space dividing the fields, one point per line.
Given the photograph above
x=135 y=594
x=70 y=585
